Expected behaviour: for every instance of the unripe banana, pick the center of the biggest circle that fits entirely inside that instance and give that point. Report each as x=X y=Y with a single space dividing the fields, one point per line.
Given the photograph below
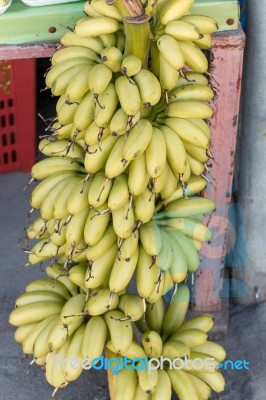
x=173 y=10
x=205 y=23
x=96 y=224
x=101 y=301
x=189 y=207
x=175 y=314
x=126 y=383
x=138 y=177
x=122 y=273
x=71 y=39
x=128 y=95
x=100 y=268
x=155 y=315
x=112 y=57
x=93 y=27
x=149 y=87
x=99 y=190
x=168 y=74
x=156 y=153
x=120 y=41
x=34 y=312
x=119 y=193
x=91 y=348
x=194 y=58
x=150 y=238
x=120 y=331
x=152 y=344
x=75 y=305
x=124 y=220
x=99 y=78
x=138 y=140
x=189 y=227
x=193 y=186
x=132 y=306
x=165 y=257
x=170 y=49
x=183 y=30
x=158 y=290
x=193 y=260
x=131 y=65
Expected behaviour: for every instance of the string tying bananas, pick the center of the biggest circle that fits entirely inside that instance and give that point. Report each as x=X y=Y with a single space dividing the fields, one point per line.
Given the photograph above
x=118 y=197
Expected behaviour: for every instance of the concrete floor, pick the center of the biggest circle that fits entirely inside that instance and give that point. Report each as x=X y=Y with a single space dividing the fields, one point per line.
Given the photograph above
x=246 y=337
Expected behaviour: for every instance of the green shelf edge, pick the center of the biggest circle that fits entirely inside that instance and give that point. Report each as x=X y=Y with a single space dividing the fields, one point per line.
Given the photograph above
x=21 y=24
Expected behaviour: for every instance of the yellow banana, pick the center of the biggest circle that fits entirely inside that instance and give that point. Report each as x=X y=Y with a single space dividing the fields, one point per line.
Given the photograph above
x=68 y=53
x=132 y=306
x=99 y=78
x=60 y=84
x=126 y=383
x=115 y=164
x=122 y=272
x=60 y=68
x=188 y=207
x=182 y=30
x=158 y=290
x=57 y=271
x=170 y=183
x=135 y=350
x=168 y=74
x=176 y=153
x=96 y=224
x=48 y=284
x=75 y=228
x=172 y=10
x=38 y=295
x=194 y=58
x=77 y=274
x=54 y=368
x=140 y=394
x=170 y=49
x=112 y=57
x=71 y=370
x=156 y=153
x=108 y=239
x=189 y=109
x=149 y=87
x=193 y=186
x=144 y=207
x=61 y=148
x=203 y=321
x=79 y=86
x=197 y=167
x=83 y=116
x=210 y=348
x=190 y=78
x=95 y=158
x=60 y=204
x=196 y=152
x=138 y=140
x=91 y=349
x=99 y=190
x=119 y=193
x=188 y=131
x=158 y=184
x=181 y=385
x=106 y=106
x=205 y=23
x=190 y=337
x=71 y=39
x=101 y=7
x=146 y=274
x=34 y=312
x=41 y=347
x=192 y=91
x=155 y=315
x=128 y=95
x=66 y=112
x=121 y=331
x=90 y=11
x=148 y=380
x=99 y=269
x=61 y=332
x=152 y=344
x=22 y=331
x=204 y=42
x=138 y=177
x=101 y=301
x=124 y=220
x=75 y=305
x=215 y=381
x=203 y=390
x=92 y=27
x=45 y=168
x=131 y=65
x=164 y=388
x=127 y=247
x=150 y=238
x=78 y=200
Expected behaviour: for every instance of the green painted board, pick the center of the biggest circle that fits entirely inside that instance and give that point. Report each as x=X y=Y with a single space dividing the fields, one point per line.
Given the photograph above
x=22 y=24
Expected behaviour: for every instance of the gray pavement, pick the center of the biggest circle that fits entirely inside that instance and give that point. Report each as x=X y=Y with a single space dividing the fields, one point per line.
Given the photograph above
x=246 y=337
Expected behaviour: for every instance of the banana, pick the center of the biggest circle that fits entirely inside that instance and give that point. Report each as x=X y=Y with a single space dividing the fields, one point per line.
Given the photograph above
x=189 y=227
x=124 y=220
x=90 y=11
x=108 y=10
x=138 y=140
x=79 y=86
x=101 y=301
x=45 y=168
x=168 y=74
x=78 y=200
x=190 y=78
x=154 y=58
x=196 y=152
x=121 y=331
x=156 y=154
x=170 y=183
x=48 y=284
x=91 y=348
x=203 y=390
x=191 y=338
x=61 y=148
x=197 y=167
x=112 y=57
x=203 y=321
x=83 y=116
x=170 y=49
x=92 y=27
x=41 y=347
x=38 y=295
x=181 y=385
x=73 y=371
x=155 y=314
x=200 y=362
x=128 y=247
x=115 y=164
x=176 y=153
x=164 y=388
x=146 y=274
x=66 y=112
x=95 y=158
x=38 y=229
x=193 y=186
x=57 y=271
x=68 y=53
x=75 y=228
x=75 y=305
x=157 y=184
x=131 y=65
x=149 y=87
x=157 y=292
x=126 y=383
x=187 y=130
x=106 y=106
x=60 y=84
x=135 y=350
x=182 y=30
x=189 y=207
x=165 y=257
x=22 y=332
x=96 y=224
x=99 y=269
x=61 y=332
x=204 y=23
x=122 y=272
x=138 y=177
x=210 y=348
x=179 y=266
x=192 y=91
x=61 y=132
x=109 y=39
x=172 y=10
x=77 y=274
x=71 y=39
x=194 y=58
x=29 y=341
x=168 y=284
x=119 y=193
x=57 y=70
x=99 y=190
x=141 y=395
x=175 y=314
x=119 y=123
x=148 y=380
x=54 y=368
x=60 y=204
x=120 y=41
x=99 y=78
x=188 y=246
x=150 y=237
x=132 y=306
x=128 y=95
x=152 y=344
x=142 y=325
x=204 y=42
x=108 y=239
x=215 y=380
x=189 y=109
x=34 y=312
